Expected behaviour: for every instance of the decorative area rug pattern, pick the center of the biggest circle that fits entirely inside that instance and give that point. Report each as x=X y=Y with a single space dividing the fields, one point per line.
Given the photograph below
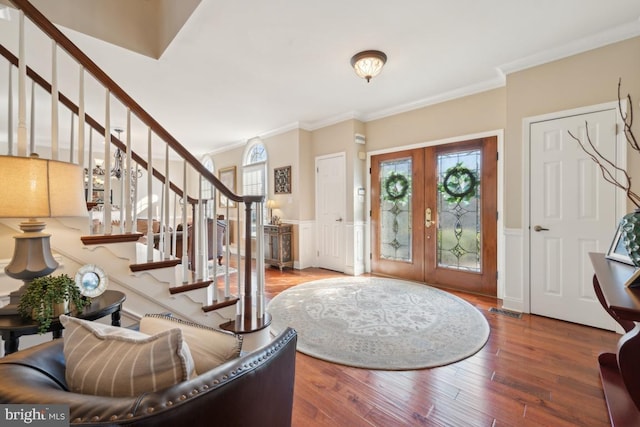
x=379 y=323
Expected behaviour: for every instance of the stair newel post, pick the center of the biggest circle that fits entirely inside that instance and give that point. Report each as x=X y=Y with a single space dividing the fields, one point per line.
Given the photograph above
x=107 y=163
x=247 y=297
x=127 y=181
x=54 y=100
x=227 y=252
x=149 y=196
x=259 y=260
x=164 y=225
x=81 y=116
x=185 y=232
x=22 y=91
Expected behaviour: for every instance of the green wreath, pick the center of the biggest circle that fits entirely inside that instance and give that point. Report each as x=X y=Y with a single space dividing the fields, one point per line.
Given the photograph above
x=396 y=187
x=459 y=184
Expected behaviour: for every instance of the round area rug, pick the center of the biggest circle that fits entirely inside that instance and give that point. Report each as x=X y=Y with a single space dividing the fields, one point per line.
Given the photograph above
x=379 y=323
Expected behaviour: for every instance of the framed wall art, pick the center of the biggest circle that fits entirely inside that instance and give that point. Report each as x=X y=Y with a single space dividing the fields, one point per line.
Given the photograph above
x=282 y=180
x=228 y=177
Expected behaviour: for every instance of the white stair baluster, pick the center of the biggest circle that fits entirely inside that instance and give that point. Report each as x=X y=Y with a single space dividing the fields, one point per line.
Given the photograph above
x=107 y=164
x=22 y=92
x=54 y=101
x=149 y=197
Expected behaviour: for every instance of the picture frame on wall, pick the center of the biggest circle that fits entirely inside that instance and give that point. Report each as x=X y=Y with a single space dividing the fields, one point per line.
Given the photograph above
x=282 y=180
x=228 y=177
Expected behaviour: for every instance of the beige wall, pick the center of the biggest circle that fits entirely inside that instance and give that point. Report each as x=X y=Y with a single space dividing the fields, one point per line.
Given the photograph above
x=586 y=79
x=472 y=114
x=581 y=80
x=340 y=138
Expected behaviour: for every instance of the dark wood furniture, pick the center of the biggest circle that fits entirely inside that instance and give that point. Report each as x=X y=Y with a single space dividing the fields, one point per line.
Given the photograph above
x=263 y=377
x=277 y=247
x=12 y=327
x=620 y=371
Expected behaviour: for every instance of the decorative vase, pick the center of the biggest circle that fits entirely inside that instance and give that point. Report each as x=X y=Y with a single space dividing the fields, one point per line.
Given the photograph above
x=630 y=230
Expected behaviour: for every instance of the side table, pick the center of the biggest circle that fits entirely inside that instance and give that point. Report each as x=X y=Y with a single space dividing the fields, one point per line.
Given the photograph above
x=277 y=248
x=13 y=326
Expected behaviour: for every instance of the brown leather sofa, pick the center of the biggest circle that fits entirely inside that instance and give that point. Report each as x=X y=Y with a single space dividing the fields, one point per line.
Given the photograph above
x=254 y=390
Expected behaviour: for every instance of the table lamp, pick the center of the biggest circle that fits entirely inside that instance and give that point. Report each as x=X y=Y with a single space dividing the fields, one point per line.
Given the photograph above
x=33 y=188
x=271 y=205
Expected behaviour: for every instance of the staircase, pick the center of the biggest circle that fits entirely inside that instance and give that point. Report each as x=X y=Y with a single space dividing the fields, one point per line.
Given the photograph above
x=149 y=268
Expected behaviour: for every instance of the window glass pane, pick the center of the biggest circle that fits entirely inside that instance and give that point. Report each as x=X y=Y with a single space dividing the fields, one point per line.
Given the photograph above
x=395 y=210
x=459 y=220
x=254 y=181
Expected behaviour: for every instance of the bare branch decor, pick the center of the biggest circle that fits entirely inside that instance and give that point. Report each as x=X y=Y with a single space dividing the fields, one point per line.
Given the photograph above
x=607 y=167
x=629 y=227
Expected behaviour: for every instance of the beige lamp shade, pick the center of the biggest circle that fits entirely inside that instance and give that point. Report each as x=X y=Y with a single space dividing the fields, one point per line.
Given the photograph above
x=31 y=187
x=271 y=204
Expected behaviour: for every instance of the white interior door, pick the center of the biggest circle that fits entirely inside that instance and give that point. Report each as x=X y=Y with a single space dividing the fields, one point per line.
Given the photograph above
x=572 y=213
x=331 y=211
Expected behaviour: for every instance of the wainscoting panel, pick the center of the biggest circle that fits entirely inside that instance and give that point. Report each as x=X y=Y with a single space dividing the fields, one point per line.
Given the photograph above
x=515 y=297
x=306 y=244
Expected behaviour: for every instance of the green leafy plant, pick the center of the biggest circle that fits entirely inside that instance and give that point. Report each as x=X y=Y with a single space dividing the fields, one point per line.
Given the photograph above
x=460 y=184
x=396 y=188
x=43 y=293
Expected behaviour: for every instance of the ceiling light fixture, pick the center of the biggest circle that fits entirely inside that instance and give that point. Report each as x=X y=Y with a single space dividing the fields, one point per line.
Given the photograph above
x=368 y=63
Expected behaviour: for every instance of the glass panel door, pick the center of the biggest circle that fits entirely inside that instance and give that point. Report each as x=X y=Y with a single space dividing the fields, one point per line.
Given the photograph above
x=395 y=210
x=397 y=200
x=459 y=222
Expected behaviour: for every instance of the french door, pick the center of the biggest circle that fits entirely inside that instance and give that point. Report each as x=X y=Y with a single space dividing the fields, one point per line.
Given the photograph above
x=434 y=215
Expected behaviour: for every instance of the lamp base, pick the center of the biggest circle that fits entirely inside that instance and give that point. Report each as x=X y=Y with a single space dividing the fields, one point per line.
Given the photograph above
x=32 y=258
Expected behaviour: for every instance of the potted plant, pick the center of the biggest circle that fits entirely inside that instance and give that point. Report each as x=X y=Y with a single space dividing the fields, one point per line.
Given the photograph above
x=48 y=297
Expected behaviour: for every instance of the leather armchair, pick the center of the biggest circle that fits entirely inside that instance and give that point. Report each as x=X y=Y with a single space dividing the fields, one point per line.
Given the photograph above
x=254 y=389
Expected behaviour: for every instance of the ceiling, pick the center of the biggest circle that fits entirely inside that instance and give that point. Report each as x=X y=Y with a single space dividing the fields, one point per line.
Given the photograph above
x=246 y=68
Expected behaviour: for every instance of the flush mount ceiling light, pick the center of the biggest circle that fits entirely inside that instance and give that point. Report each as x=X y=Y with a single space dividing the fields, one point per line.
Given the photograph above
x=369 y=63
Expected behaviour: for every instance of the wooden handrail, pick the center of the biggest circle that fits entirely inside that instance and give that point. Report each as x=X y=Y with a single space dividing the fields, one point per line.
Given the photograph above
x=246 y=318
x=63 y=41
x=40 y=81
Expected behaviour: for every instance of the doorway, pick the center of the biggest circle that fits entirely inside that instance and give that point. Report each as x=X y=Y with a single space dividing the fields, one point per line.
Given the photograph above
x=572 y=211
x=331 y=211
x=434 y=215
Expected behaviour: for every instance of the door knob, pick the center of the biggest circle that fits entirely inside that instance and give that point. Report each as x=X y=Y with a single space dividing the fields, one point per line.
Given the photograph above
x=539 y=228
x=427 y=218
x=339 y=220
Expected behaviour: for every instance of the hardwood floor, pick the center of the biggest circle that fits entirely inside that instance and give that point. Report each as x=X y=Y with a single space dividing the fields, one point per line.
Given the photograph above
x=533 y=371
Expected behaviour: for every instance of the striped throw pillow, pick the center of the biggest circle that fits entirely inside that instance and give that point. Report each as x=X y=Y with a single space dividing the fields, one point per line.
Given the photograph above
x=106 y=360
x=209 y=347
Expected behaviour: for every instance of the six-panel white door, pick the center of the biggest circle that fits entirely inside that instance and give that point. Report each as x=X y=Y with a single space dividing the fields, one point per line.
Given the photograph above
x=331 y=211
x=572 y=213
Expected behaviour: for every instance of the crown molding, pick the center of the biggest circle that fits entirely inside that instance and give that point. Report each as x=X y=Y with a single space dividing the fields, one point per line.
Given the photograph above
x=483 y=86
x=604 y=38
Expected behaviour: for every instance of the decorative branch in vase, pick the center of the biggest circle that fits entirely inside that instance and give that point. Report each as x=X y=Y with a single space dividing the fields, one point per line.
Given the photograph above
x=630 y=223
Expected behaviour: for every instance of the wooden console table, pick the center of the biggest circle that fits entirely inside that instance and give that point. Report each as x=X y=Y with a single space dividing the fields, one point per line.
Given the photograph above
x=620 y=372
x=13 y=326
